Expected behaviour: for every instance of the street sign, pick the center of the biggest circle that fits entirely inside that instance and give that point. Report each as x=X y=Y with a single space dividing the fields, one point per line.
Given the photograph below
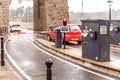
x=64 y=29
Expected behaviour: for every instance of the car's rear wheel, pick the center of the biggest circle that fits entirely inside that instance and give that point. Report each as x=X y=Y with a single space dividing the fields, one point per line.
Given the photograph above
x=48 y=38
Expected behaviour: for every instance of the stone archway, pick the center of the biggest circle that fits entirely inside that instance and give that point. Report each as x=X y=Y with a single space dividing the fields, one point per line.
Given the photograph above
x=46 y=13
x=4 y=15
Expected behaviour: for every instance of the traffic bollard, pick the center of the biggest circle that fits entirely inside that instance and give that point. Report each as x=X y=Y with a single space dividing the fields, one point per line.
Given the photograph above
x=64 y=40
x=2 y=51
x=49 y=63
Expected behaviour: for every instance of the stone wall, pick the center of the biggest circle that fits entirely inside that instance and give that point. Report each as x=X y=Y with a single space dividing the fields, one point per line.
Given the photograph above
x=51 y=12
x=46 y=13
x=4 y=15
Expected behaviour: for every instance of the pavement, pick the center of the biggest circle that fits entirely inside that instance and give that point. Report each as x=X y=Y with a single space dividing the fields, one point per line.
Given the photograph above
x=8 y=73
x=73 y=54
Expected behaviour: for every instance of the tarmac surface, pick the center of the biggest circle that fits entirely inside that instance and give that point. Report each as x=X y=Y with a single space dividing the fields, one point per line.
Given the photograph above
x=74 y=54
x=70 y=53
x=31 y=60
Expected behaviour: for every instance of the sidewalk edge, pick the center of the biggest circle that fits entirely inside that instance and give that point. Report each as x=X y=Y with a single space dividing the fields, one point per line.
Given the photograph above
x=115 y=72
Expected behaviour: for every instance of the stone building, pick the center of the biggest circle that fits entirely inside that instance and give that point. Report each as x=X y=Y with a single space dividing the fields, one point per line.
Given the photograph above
x=4 y=14
x=46 y=13
x=49 y=12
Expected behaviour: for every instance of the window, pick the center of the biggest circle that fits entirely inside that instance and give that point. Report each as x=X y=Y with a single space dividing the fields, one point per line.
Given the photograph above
x=74 y=28
x=56 y=28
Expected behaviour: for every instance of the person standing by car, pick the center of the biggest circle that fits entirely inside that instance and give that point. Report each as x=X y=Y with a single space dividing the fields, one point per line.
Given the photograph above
x=74 y=34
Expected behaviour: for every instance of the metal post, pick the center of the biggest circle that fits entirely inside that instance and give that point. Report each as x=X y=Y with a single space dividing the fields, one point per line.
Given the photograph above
x=82 y=10
x=110 y=13
x=2 y=52
x=110 y=4
x=64 y=40
x=109 y=16
x=49 y=63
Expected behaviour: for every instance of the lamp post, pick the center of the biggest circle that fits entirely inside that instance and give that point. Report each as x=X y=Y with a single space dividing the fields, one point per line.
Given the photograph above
x=82 y=10
x=110 y=4
x=19 y=1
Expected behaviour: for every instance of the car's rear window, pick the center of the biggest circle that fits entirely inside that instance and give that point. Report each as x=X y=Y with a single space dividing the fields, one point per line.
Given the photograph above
x=15 y=25
x=56 y=28
x=74 y=28
x=71 y=28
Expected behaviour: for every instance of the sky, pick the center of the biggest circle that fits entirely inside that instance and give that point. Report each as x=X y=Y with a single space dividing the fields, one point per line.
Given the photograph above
x=14 y=4
x=76 y=5
x=92 y=5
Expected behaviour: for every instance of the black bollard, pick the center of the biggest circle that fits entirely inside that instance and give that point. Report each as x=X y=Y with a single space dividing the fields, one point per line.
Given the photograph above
x=64 y=40
x=2 y=51
x=49 y=63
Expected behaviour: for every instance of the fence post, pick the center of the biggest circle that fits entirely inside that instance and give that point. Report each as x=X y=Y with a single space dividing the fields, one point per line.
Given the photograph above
x=2 y=51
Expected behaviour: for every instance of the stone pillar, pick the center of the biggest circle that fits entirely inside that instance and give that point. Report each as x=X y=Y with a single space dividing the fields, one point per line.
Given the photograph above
x=51 y=12
x=36 y=14
x=4 y=15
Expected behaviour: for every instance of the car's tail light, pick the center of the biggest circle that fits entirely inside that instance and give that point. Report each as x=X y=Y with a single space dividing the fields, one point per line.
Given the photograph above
x=74 y=33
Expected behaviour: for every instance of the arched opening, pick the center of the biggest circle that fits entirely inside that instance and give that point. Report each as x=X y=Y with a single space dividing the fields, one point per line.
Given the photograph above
x=21 y=12
x=45 y=13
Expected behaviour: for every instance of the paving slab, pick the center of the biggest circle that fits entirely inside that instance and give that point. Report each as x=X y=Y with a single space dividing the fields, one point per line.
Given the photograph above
x=8 y=73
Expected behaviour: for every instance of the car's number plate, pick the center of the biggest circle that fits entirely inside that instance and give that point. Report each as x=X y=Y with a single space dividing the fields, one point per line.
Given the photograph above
x=74 y=38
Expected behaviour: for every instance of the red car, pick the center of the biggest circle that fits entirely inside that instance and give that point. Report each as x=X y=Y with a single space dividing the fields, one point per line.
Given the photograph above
x=74 y=33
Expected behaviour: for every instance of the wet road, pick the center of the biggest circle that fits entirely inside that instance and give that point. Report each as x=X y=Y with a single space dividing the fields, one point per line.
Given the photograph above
x=31 y=60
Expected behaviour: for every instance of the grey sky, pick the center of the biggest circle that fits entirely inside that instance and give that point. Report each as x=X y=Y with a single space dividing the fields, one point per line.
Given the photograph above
x=75 y=5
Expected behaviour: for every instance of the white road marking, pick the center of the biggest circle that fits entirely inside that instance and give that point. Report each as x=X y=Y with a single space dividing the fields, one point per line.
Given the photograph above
x=14 y=63
x=106 y=77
